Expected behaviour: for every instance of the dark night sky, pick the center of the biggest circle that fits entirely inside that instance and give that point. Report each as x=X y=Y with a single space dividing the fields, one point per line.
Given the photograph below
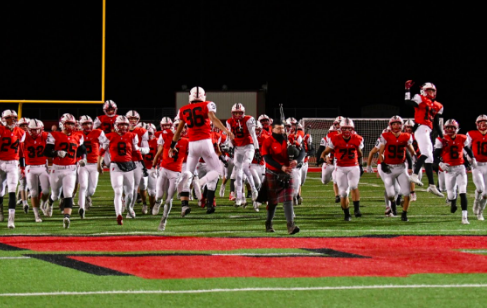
x=310 y=54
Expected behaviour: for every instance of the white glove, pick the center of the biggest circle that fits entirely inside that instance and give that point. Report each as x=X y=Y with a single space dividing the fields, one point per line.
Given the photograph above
x=61 y=154
x=474 y=163
x=82 y=162
x=444 y=166
x=153 y=173
x=369 y=169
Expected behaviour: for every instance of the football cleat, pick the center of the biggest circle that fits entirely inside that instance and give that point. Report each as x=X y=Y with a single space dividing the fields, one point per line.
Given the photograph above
x=256 y=206
x=26 y=209
x=120 y=220
x=388 y=212
x=476 y=207
x=156 y=208
x=432 y=189
x=38 y=219
x=130 y=213
x=238 y=202
x=222 y=191
x=404 y=216
x=413 y=197
x=232 y=197
x=197 y=188
x=162 y=224
x=357 y=213
x=415 y=179
x=300 y=200
x=210 y=209
x=144 y=209
x=81 y=213
x=465 y=221
x=185 y=210
x=337 y=199
x=66 y=222
x=11 y=221
x=88 y=202
x=480 y=216
x=255 y=194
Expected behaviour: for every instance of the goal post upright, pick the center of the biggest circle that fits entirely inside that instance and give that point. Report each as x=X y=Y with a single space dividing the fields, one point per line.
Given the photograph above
x=101 y=101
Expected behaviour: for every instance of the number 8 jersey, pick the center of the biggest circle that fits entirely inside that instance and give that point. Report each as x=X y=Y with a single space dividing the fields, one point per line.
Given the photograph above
x=121 y=147
x=195 y=115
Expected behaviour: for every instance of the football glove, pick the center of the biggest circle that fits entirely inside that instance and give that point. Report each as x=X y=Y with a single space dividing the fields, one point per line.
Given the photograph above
x=385 y=168
x=409 y=84
x=444 y=166
x=61 y=154
x=369 y=169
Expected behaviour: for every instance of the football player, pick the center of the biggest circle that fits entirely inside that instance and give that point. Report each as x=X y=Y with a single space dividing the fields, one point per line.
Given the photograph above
x=392 y=153
x=347 y=148
x=426 y=116
x=197 y=115
x=121 y=144
x=266 y=123
x=64 y=147
x=89 y=173
x=477 y=141
x=409 y=128
x=246 y=145
x=22 y=189
x=450 y=149
x=11 y=138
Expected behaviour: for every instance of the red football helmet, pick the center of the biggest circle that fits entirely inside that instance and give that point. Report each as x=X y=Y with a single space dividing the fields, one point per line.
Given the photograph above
x=396 y=128
x=451 y=127
x=481 y=122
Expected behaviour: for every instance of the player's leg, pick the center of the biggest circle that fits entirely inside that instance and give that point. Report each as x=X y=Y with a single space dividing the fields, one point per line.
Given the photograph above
x=83 y=176
x=116 y=179
x=69 y=183
x=450 y=183
x=404 y=184
x=32 y=180
x=343 y=189
x=462 y=191
x=130 y=190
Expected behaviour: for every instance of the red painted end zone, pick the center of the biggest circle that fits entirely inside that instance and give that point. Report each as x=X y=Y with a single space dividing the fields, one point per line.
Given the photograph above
x=400 y=256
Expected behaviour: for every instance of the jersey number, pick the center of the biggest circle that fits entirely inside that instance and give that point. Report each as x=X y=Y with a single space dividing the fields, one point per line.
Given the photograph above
x=33 y=152
x=350 y=152
x=395 y=151
x=238 y=132
x=429 y=113
x=88 y=147
x=194 y=117
x=454 y=152
x=8 y=142
x=481 y=148
x=122 y=149
x=69 y=148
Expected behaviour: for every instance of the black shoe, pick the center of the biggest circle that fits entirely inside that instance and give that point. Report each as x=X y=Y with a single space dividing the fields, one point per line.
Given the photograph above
x=453 y=208
x=394 y=209
x=337 y=199
x=210 y=210
x=249 y=194
x=348 y=217
x=404 y=216
x=357 y=213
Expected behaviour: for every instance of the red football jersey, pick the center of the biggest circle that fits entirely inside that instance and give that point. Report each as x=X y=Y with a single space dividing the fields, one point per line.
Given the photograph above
x=63 y=142
x=395 y=147
x=122 y=147
x=10 y=142
x=345 y=151
x=426 y=110
x=195 y=115
x=478 y=143
x=92 y=141
x=278 y=151
x=306 y=147
x=105 y=123
x=263 y=136
x=34 y=149
x=240 y=130
x=452 y=149
x=175 y=163
x=149 y=157
x=137 y=156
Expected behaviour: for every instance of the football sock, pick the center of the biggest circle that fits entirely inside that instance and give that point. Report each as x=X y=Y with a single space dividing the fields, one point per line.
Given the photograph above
x=11 y=200
x=428 y=168
x=463 y=201
x=419 y=164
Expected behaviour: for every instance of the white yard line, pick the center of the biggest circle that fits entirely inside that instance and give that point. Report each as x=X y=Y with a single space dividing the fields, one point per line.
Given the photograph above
x=13 y=258
x=376 y=287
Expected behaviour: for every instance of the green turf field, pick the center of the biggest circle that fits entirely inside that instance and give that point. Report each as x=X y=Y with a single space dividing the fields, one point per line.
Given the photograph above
x=430 y=272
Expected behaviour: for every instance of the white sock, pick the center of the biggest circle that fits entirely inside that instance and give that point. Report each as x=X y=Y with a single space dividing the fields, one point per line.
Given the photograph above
x=464 y=214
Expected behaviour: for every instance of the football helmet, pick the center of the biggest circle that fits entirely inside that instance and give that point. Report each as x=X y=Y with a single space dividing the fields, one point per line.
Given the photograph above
x=23 y=123
x=451 y=127
x=263 y=118
x=133 y=117
x=258 y=128
x=428 y=86
x=337 y=121
x=347 y=126
x=481 y=122
x=396 y=119
x=65 y=120
x=121 y=124
x=9 y=115
x=86 y=123
x=110 y=108
x=35 y=127
x=197 y=94
x=236 y=109
x=151 y=129
x=166 y=123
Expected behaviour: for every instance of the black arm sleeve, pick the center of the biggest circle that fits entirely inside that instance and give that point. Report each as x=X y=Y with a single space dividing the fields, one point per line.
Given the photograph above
x=269 y=160
x=411 y=103
x=49 y=150
x=469 y=152
x=301 y=156
x=436 y=125
x=320 y=150
x=81 y=151
x=409 y=160
x=22 y=162
x=436 y=155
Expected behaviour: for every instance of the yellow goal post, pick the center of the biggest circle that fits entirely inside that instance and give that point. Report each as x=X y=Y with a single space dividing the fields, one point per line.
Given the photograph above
x=101 y=101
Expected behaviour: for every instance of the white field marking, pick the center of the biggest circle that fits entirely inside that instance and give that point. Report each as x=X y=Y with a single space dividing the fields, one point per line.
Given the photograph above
x=473 y=251
x=376 y=287
x=13 y=258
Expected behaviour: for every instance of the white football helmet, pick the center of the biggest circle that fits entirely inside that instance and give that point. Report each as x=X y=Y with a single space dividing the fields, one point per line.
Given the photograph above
x=67 y=118
x=238 y=108
x=396 y=119
x=197 y=94
x=332 y=128
x=292 y=120
x=408 y=126
x=451 y=127
x=23 y=123
x=110 y=108
x=35 y=127
x=337 y=121
x=121 y=124
x=86 y=123
x=263 y=117
x=134 y=118
x=428 y=86
x=347 y=126
x=9 y=114
x=166 y=123
x=481 y=122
